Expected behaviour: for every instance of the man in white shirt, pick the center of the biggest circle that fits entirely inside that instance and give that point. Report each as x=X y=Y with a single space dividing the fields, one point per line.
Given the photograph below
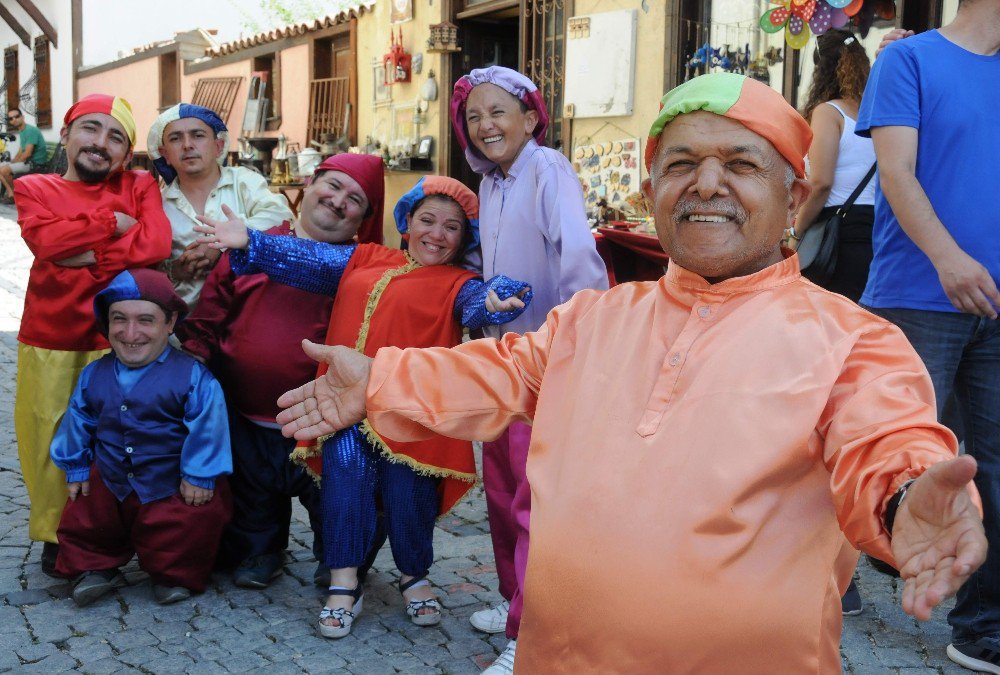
x=188 y=144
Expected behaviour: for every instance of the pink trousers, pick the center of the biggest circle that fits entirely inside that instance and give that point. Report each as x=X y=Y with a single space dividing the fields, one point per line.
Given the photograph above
x=508 y=505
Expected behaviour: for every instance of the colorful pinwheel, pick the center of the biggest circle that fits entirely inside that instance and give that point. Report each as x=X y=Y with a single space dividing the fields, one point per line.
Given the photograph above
x=802 y=18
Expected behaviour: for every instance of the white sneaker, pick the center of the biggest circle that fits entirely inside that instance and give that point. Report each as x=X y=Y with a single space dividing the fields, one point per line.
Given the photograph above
x=504 y=665
x=492 y=620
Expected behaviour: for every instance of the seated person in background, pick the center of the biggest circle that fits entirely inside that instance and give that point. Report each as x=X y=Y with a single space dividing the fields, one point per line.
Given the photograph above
x=143 y=445
x=188 y=145
x=32 y=153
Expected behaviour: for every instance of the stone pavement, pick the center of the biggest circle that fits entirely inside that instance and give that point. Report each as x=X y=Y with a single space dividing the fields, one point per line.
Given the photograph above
x=273 y=631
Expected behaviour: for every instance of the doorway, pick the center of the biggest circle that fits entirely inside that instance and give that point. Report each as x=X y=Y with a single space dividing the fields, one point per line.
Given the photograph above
x=486 y=40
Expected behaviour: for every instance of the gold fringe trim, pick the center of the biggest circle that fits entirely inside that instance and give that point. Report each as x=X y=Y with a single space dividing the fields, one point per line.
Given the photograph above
x=376 y=295
x=300 y=454
x=420 y=468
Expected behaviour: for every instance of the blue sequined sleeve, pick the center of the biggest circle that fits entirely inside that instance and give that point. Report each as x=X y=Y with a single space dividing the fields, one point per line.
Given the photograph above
x=308 y=265
x=470 y=305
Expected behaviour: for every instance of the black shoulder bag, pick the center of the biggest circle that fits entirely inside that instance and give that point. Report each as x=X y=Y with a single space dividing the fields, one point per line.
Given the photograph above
x=818 y=248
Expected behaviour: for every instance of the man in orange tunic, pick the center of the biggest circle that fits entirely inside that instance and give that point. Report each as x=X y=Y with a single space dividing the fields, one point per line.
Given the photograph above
x=716 y=434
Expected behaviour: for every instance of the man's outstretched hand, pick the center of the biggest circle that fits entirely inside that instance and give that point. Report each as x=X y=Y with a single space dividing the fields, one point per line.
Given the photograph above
x=330 y=403
x=937 y=537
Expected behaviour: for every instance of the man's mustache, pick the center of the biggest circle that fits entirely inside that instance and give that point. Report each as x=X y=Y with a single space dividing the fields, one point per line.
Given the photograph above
x=97 y=151
x=728 y=208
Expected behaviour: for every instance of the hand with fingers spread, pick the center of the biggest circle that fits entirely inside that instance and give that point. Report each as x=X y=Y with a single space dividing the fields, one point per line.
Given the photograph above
x=968 y=284
x=229 y=233
x=937 y=537
x=330 y=403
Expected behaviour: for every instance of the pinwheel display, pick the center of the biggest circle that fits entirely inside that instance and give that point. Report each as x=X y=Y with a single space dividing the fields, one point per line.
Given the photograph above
x=802 y=18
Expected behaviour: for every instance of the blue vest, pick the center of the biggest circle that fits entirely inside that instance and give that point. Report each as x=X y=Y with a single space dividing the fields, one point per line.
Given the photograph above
x=139 y=436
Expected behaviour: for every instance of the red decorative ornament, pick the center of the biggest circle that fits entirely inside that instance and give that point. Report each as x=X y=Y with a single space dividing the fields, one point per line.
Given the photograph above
x=397 y=61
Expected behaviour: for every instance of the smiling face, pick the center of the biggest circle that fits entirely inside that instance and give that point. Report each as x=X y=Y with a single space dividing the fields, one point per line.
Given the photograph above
x=96 y=146
x=721 y=196
x=138 y=331
x=333 y=206
x=191 y=148
x=436 y=229
x=498 y=125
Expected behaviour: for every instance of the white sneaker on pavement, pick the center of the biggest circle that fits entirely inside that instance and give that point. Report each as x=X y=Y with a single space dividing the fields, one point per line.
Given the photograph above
x=504 y=665
x=492 y=620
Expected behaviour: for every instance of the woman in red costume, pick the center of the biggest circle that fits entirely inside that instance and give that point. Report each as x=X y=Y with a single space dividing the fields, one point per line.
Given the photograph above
x=418 y=297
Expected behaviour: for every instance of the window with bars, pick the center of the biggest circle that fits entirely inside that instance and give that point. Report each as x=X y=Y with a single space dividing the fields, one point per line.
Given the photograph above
x=217 y=94
x=543 y=35
x=328 y=99
x=43 y=83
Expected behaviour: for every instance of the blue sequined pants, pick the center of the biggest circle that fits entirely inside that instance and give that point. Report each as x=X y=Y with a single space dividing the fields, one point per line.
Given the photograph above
x=354 y=475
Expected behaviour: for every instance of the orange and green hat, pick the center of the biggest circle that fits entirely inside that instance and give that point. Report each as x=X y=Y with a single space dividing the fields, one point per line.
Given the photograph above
x=115 y=106
x=753 y=104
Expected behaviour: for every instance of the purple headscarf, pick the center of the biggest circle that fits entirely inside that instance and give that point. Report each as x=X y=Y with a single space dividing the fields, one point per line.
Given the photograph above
x=510 y=81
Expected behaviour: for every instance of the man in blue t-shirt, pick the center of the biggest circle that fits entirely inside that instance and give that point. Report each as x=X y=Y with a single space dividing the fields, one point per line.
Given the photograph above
x=931 y=108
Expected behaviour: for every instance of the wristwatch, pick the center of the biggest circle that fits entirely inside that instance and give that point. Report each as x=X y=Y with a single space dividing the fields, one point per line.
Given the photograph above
x=893 y=506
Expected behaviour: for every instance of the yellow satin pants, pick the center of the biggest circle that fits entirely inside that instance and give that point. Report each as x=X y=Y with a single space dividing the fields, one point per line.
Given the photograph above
x=45 y=381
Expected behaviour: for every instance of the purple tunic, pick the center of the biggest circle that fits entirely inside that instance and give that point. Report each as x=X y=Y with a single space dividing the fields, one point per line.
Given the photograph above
x=534 y=228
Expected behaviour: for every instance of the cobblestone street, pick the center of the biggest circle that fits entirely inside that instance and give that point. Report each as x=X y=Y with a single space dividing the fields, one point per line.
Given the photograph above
x=274 y=631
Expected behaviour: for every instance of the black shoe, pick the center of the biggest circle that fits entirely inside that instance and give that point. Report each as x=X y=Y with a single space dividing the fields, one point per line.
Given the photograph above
x=850 y=604
x=259 y=570
x=983 y=655
x=883 y=567
x=92 y=585
x=166 y=595
x=50 y=552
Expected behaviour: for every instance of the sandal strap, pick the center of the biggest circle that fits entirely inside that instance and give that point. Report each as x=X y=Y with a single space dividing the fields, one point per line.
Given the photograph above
x=413 y=583
x=423 y=604
x=339 y=613
x=340 y=590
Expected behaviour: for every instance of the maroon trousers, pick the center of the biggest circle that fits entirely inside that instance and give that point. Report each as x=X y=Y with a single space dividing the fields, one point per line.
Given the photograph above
x=176 y=543
x=508 y=506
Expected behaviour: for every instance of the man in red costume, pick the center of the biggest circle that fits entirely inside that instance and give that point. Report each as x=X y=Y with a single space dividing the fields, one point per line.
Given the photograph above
x=248 y=330
x=83 y=228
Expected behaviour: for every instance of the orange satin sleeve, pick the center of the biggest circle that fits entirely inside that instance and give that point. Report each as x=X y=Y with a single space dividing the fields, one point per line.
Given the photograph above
x=471 y=392
x=879 y=430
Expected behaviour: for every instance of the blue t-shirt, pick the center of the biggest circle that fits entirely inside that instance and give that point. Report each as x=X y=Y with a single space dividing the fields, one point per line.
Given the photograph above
x=952 y=97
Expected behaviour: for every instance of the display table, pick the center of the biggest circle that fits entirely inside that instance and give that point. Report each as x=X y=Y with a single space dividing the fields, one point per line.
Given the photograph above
x=635 y=256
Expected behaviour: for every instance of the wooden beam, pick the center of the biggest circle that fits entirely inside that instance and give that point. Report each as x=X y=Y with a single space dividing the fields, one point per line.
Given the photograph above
x=39 y=18
x=15 y=26
x=77 y=33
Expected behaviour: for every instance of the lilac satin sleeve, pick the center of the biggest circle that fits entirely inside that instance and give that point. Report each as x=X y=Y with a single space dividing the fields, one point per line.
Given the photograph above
x=311 y=266
x=470 y=305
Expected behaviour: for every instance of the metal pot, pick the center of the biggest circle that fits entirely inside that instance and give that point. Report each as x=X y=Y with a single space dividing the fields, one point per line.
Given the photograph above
x=309 y=159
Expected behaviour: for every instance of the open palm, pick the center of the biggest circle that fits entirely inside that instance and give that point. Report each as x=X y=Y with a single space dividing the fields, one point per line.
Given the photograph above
x=938 y=538
x=331 y=402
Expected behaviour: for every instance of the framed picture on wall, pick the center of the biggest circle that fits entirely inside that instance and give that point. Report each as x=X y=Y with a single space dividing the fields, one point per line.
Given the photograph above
x=402 y=10
x=424 y=147
x=404 y=132
x=381 y=92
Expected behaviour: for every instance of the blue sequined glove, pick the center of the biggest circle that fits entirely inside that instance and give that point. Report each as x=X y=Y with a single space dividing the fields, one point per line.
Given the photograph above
x=312 y=266
x=470 y=305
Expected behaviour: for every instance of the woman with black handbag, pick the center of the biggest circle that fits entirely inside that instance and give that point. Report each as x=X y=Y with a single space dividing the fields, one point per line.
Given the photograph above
x=837 y=255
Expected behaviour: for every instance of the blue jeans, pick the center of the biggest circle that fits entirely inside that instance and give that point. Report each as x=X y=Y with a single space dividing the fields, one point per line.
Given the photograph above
x=962 y=354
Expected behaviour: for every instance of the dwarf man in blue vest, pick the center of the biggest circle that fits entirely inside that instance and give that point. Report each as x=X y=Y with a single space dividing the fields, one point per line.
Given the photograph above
x=143 y=444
